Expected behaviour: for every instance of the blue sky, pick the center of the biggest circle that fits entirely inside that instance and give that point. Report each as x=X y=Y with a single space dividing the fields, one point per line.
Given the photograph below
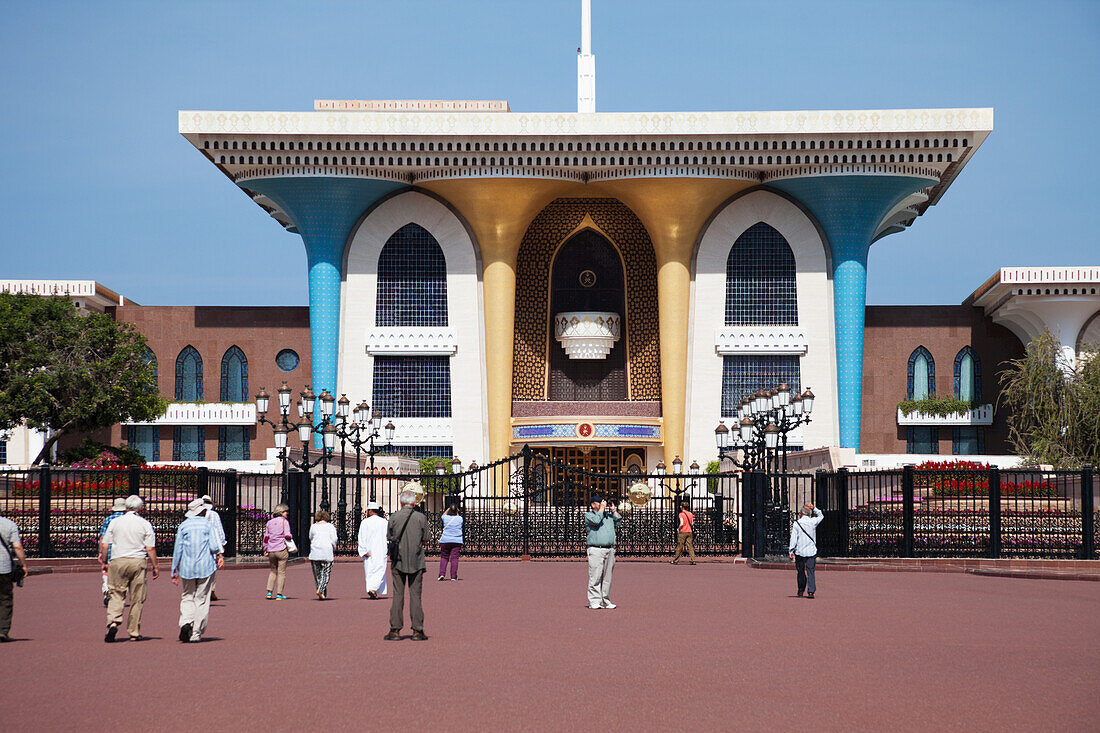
x=99 y=185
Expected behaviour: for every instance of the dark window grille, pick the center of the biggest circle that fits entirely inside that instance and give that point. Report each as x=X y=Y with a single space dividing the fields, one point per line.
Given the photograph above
x=919 y=352
x=233 y=444
x=760 y=280
x=150 y=358
x=968 y=441
x=287 y=360
x=412 y=386
x=420 y=451
x=743 y=375
x=234 y=386
x=922 y=441
x=189 y=375
x=412 y=280
x=189 y=443
x=145 y=439
x=3 y=452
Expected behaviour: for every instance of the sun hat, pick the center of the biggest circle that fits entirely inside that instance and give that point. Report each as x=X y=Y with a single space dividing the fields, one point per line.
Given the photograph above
x=196 y=506
x=119 y=504
x=373 y=505
x=207 y=500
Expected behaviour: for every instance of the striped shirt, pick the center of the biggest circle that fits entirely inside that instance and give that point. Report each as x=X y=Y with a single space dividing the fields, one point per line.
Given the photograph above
x=196 y=548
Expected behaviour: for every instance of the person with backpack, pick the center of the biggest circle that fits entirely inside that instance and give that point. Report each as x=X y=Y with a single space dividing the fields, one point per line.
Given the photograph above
x=803 y=548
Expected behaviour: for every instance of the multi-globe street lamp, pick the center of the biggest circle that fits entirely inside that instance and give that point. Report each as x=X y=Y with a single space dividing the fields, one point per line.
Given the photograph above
x=363 y=430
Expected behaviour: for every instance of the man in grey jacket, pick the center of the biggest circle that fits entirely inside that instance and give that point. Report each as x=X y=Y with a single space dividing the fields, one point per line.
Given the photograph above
x=409 y=528
x=601 y=521
x=803 y=548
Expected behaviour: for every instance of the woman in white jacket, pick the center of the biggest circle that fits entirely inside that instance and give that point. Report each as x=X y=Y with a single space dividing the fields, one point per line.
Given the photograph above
x=372 y=548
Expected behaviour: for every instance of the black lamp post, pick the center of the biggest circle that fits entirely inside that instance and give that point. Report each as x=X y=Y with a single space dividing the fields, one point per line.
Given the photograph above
x=363 y=430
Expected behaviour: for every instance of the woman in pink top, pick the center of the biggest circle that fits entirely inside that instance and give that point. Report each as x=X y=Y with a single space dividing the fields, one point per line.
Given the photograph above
x=276 y=534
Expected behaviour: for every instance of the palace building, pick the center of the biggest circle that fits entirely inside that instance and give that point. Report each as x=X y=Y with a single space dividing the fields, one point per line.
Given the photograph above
x=604 y=286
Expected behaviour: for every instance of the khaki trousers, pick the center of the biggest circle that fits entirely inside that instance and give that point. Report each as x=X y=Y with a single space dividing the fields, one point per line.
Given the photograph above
x=684 y=539
x=276 y=579
x=601 y=563
x=415 y=581
x=195 y=604
x=126 y=574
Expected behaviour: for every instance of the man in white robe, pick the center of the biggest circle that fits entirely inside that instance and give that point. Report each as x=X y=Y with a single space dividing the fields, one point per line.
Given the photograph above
x=372 y=548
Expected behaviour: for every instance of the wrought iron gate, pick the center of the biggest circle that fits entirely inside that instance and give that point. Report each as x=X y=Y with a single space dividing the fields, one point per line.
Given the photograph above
x=531 y=505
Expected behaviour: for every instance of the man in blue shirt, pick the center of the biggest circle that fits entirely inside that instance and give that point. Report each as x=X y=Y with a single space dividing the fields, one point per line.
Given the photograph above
x=117 y=510
x=195 y=558
x=601 y=522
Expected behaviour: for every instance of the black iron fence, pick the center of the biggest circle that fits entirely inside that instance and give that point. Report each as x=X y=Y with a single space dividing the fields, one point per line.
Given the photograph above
x=529 y=505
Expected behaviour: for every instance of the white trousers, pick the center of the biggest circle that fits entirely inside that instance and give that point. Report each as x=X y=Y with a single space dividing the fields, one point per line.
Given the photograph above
x=195 y=604
x=601 y=561
x=375 y=571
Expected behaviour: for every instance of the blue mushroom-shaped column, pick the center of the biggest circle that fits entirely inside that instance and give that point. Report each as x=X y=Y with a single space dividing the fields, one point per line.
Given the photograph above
x=323 y=210
x=850 y=209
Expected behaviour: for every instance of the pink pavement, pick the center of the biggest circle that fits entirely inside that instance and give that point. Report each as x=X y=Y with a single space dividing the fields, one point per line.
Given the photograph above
x=513 y=647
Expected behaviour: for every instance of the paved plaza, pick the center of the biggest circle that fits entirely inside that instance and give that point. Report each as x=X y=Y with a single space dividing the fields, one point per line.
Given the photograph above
x=513 y=647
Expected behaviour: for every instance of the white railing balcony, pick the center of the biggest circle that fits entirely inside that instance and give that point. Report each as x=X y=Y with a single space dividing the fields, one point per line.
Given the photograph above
x=412 y=341
x=982 y=415
x=205 y=413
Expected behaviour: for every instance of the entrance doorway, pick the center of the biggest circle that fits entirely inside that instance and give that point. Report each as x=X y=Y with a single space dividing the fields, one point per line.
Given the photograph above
x=588 y=276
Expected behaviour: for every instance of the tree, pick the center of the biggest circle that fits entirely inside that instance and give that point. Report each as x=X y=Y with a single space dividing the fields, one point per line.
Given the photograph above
x=64 y=372
x=1054 y=407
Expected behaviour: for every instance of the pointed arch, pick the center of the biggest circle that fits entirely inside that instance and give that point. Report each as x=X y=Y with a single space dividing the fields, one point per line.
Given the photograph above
x=760 y=279
x=412 y=280
x=189 y=375
x=920 y=375
x=234 y=376
x=968 y=375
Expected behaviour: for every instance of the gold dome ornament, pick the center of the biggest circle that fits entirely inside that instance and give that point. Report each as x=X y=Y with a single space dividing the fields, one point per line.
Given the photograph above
x=510 y=508
x=418 y=489
x=639 y=494
x=625 y=508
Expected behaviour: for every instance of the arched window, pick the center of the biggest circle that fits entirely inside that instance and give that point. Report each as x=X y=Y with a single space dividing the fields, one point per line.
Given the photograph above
x=234 y=386
x=921 y=379
x=189 y=375
x=760 y=280
x=968 y=375
x=151 y=359
x=412 y=280
x=760 y=291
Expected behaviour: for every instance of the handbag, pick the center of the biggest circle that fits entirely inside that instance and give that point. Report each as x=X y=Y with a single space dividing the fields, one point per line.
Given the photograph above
x=290 y=545
x=18 y=572
x=393 y=547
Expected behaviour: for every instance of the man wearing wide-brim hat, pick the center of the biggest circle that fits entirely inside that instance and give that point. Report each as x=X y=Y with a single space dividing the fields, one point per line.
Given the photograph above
x=195 y=558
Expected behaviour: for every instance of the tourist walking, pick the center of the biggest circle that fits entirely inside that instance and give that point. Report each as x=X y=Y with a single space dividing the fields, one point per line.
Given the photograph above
x=215 y=520
x=450 y=542
x=408 y=532
x=601 y=520
x=685 y=533
x=197 y=555
x=118 y=508
x=803 y=548
x=13 y=568
x=372 y=548
x=132 y=546
x=322 y=551
x=276 y=546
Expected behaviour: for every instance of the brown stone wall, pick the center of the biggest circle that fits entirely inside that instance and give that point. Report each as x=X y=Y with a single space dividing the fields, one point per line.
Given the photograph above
x=260 y=332
x=890 y=336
